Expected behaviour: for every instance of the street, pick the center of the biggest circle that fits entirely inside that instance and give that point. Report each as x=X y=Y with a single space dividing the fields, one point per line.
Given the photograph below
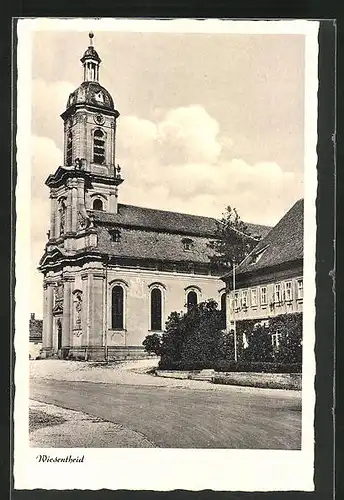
x=174 y=417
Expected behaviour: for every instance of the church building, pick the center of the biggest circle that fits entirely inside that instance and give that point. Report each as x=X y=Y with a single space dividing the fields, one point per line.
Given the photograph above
x=114 y=272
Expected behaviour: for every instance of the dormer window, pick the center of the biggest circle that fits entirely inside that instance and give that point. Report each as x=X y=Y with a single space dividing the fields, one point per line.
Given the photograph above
x=99 y=147
x=187 y=243
x=256 y=256
x=97 y=204
x=115 y=235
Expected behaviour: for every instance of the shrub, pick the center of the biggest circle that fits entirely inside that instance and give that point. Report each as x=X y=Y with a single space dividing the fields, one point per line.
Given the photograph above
x=259 y=338
x=171 y=364
x=195 y=336
x=289 y=326
x=259 y=345
x=152 y=344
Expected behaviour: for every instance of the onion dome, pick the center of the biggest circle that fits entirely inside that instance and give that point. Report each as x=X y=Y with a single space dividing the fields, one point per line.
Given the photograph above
x=92 y=94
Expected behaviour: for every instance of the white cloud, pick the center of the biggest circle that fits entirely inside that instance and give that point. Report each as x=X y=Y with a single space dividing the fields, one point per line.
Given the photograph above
x=188 y=134
x=194 y=177
x=45 y=158
x=50 y=101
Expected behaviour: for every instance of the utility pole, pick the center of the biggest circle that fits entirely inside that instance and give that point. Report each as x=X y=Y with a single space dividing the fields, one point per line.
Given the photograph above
x=106 y=309
x=234 y=320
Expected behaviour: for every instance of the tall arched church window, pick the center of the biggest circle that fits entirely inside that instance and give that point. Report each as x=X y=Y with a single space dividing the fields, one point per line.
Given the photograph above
x=156 y=310
x=191 y=300
x=223 y=310
x=117 y=308
x=97 y=204
x=69 y=158
x=99 y=147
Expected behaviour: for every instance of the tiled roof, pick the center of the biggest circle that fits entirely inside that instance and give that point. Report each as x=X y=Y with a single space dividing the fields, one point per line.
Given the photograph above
x=170 y=222
x=152 y=245
x=284 y=243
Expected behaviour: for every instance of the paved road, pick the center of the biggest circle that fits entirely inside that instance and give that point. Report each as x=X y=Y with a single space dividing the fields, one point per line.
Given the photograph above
x=171 y=417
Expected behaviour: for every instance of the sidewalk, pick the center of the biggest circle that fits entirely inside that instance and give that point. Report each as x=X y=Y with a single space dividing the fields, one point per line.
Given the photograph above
x=53 y=426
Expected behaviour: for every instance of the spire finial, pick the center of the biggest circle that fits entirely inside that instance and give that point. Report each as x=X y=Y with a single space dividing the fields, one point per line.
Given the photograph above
x=91 y=35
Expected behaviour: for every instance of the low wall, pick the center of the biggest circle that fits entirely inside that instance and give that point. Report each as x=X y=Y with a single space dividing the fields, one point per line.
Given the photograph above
x=265 y=380
x=206 y=375
x=35 y=349
x=98 y=353
x=291 y=381
x=173 y=374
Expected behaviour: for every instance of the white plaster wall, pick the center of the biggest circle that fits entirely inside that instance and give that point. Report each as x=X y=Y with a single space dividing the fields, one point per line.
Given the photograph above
x=137 y=303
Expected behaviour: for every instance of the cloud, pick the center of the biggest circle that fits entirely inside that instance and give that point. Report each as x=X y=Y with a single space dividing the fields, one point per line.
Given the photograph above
x=45 y=158
x=50 y=101
x=188 y=134
x=193 y=175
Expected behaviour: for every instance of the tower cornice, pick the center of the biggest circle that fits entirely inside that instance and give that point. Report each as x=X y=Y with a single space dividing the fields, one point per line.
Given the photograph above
x=62 y=174
x=71 y=110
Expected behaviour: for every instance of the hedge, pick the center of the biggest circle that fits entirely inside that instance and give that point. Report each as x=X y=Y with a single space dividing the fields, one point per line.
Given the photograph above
x=232 y=366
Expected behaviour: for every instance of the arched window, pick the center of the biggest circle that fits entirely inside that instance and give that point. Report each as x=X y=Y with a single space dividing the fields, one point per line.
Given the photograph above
x=191 y=300
x=97 y=204
x=156 y=310
x=69 y=158
x=223 y=310
x=99 y=147
x=117 y=308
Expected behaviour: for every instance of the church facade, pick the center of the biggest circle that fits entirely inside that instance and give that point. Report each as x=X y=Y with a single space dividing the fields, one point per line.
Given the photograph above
x=112 y=273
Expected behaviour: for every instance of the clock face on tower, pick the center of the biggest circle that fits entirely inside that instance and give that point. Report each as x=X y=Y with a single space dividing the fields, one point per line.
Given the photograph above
x=99 y=118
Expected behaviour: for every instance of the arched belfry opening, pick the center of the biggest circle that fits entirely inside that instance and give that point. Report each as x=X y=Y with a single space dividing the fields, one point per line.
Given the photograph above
x=99 y=147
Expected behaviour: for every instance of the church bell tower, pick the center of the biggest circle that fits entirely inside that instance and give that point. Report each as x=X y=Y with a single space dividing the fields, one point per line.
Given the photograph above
x=89 y=178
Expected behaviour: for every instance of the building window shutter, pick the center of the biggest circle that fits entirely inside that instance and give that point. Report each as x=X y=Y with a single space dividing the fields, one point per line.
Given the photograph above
x=156 y=309
x=117 y=308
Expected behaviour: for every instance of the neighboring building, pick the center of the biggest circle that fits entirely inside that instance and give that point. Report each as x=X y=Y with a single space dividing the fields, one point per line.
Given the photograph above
x=35 y=332
x=269 y=281
x=114 y=272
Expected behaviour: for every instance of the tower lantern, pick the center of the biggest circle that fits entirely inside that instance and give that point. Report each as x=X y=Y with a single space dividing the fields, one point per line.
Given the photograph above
x=91 y=62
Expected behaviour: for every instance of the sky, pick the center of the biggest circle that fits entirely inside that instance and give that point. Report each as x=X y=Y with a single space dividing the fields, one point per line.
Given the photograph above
x=206 y=120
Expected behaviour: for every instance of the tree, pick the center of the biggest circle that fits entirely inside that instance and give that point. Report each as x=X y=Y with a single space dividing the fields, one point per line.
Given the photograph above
x=289 y=328
x=206 y=341
x=233 y=240
x=259 y=345
x=195 y=336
